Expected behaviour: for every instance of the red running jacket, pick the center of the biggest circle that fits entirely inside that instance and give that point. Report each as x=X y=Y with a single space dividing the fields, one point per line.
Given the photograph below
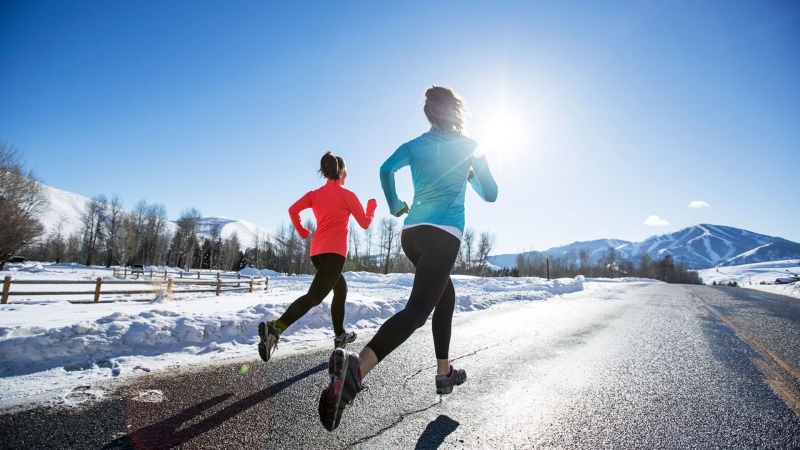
x=332 y=205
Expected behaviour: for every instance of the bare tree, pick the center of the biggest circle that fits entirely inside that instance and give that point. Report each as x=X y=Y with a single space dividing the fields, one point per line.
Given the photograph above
x=260 y=240
x=138 y=218
x=355 y=242
x=56 y=244
x=368 y=238
x=229 y=254
x=645 y=266
x=21 y=199
x=127 y=242
x=485 y=244
x=215 y=230
x=400 y=263
x=305 y=259
x=93 y=231
x=184 y=243
x=157 y=235
x=72 y=252
x=389 y=233
x=585 y=262
x=292 y=249
x=609 y=261
x=113 y=219
x=467 y=250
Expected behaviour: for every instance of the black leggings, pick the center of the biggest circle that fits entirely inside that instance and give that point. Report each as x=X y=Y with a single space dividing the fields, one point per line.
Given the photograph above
x=433 y=252
x=329 y=276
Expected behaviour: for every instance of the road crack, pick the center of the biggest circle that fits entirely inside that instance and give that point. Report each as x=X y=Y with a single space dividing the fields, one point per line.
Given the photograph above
x=393 y=424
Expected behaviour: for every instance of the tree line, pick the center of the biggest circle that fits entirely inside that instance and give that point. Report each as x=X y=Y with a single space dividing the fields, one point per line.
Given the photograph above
x=110 y=235
x=377 y=249
x=609 y=265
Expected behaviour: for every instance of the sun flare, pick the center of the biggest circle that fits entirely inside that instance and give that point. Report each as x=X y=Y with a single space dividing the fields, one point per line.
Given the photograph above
x=500 y=132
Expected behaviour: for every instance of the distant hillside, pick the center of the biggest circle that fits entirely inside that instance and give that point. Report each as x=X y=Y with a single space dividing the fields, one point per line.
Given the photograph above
x=699 y=246
x=65 y=209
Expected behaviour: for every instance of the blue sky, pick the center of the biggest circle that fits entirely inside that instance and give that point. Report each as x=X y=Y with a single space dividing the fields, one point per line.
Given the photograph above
x=594 y=118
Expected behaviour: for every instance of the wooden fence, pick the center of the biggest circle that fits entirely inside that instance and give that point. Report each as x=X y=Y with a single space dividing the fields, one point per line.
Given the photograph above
x=124 y=272
x=233 y=284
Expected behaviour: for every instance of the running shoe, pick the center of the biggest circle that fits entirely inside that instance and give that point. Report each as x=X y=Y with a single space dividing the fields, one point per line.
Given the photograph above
x=343 y=368
x=269 y=334
x=445 y=383
x=343 y=339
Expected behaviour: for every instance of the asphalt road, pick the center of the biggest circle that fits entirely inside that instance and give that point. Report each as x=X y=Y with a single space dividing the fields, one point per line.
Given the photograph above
x=653 y=366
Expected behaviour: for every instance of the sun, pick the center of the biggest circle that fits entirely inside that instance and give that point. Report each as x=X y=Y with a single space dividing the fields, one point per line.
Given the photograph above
x=500 y=132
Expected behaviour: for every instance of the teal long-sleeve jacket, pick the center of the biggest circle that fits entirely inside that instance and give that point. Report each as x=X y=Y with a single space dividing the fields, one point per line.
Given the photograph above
x=441 y=164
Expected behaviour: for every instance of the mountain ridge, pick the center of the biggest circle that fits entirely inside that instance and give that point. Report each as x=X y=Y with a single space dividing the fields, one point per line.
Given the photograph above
x=699 y=246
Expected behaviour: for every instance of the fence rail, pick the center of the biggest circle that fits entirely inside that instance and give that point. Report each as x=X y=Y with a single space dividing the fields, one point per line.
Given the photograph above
x=220 y=285
x=124 y=272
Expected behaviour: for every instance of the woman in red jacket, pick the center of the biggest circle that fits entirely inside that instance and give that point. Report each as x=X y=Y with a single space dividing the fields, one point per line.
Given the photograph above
x=332 y=205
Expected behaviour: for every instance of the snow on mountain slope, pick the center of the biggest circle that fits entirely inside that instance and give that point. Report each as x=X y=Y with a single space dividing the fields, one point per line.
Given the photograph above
x=64 y=210
x=698 y=246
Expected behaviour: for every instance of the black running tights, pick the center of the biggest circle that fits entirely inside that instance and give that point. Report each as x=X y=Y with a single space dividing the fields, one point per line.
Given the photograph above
x=328 y=277
x=433 y=252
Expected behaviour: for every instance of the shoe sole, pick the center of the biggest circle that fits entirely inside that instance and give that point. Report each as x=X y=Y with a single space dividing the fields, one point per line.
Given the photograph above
x=337 y=370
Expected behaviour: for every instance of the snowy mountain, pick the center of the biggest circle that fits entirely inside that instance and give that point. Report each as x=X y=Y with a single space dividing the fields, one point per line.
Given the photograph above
x=702 y=246
x=699 y=246
x=64 y=210
x=246 y=232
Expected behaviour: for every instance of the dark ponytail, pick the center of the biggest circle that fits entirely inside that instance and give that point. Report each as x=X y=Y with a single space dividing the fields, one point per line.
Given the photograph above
x=329 y=166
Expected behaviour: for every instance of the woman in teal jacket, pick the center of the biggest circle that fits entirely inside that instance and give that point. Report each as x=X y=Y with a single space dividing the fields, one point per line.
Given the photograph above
x=442 y=162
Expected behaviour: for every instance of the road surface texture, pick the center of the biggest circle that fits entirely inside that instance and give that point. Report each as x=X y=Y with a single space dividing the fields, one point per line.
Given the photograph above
x=644 y=365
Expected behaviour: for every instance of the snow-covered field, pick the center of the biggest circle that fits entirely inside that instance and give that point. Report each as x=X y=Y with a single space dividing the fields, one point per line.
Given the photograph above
x=50 y=346
x=752 y=276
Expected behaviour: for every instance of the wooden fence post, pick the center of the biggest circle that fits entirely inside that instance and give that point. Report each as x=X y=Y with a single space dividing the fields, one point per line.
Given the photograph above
x=266 y=283
x=97 y=289
x=6 y=289
x=198 y=274
x=219 y=286
x=169 y=287
x=251 y=284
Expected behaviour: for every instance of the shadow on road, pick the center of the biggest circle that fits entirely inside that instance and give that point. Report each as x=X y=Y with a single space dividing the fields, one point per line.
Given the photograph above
x=171 y=432
x=435 y=433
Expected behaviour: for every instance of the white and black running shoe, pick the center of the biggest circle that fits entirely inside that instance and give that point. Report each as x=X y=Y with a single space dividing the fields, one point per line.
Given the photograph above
x=343 y=339
x=269 y=334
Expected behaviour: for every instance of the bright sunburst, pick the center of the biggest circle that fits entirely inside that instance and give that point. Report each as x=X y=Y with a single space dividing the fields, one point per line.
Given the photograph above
x=500 y=132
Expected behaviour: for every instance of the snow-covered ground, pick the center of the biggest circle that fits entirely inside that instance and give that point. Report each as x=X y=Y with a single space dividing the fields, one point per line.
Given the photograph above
x=49 y=347
x=752 y=276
